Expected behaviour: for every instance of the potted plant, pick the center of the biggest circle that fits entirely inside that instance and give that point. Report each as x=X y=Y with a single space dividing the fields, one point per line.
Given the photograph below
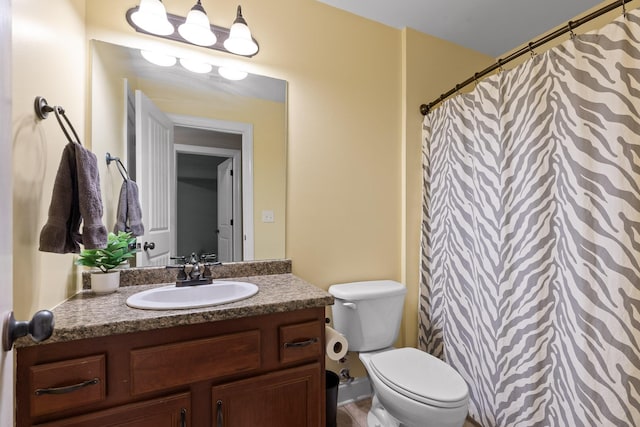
x=120 y=247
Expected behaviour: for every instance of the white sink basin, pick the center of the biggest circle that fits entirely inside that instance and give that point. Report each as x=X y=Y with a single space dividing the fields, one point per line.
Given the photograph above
x=172 y=297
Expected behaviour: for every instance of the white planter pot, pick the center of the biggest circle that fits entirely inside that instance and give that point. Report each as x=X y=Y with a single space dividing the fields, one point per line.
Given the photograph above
x=105 y=283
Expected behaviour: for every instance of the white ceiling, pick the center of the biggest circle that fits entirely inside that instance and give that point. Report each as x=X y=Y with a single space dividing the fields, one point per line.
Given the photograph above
x=493 y=27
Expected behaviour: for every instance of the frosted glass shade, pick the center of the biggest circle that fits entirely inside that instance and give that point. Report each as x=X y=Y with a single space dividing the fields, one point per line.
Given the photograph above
x=232 y=74
x=197 y=29
x=240 y=41
x=158 y=58
x=151 y=16
x=196 y=66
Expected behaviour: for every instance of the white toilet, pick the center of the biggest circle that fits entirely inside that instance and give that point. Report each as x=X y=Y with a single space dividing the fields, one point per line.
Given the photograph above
x=411 y=388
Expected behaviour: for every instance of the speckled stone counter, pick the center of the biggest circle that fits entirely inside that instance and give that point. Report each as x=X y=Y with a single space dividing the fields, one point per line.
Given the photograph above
x=88 y=315
x=151 y=275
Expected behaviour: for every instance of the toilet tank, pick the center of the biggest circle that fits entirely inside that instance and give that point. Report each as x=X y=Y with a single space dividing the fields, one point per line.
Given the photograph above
x=368 y=313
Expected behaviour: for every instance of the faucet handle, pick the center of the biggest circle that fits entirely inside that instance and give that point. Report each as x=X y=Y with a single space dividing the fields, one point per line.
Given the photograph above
x=207 y=269
x=182 y=274
x=208 y=257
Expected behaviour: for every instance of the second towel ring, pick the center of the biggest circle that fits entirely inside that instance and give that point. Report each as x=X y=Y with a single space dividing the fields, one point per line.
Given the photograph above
x=123 y=171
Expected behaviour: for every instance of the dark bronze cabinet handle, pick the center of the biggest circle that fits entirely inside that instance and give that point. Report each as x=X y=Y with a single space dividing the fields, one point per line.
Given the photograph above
x=183 y=417
x=67 y=389
x=220 y=422
x=298 y=344
x=149 y=246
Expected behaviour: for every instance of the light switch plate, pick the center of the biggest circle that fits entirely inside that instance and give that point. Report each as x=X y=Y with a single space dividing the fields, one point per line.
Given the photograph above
x=267 y=216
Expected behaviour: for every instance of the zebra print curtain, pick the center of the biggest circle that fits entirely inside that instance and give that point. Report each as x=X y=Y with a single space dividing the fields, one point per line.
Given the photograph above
x=531 y=236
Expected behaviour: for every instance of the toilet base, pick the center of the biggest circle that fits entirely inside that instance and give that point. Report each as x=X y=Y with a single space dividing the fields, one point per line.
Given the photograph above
x=379 y=417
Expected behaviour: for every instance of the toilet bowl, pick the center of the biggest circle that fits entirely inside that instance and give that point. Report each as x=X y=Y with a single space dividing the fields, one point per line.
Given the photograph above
x=411 y=388
x=414 y=389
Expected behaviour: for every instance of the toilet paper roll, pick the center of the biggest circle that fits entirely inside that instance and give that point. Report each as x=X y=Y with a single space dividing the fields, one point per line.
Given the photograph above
x=336 y=344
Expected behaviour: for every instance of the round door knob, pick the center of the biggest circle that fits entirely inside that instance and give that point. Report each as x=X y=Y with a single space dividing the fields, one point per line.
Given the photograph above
x=40 y=328
x=149 y=245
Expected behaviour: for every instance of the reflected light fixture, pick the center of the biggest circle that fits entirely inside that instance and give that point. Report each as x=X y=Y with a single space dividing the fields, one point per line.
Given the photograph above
x=158 y=58
x=232 y=73
x=197 y=28
x=151 y=16
x=240 y=41
x=196 y=66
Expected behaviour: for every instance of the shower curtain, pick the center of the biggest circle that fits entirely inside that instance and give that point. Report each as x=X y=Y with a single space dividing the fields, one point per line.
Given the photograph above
x=530 y=282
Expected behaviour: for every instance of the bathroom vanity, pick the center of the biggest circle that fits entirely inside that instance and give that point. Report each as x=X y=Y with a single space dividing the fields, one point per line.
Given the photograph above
x=255 y=362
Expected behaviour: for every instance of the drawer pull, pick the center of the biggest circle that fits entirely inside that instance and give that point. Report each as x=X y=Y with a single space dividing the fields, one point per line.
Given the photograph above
x=67 y=389
x=298 y=344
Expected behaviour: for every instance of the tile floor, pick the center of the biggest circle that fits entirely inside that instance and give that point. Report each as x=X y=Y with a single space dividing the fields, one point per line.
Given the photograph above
x=355 y=414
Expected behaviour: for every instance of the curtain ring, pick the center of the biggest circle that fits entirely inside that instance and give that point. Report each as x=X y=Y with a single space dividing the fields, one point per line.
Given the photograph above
x=624 y=8
x=572 y=35
x=475 y=80
x=500 y=69
x=531 y=49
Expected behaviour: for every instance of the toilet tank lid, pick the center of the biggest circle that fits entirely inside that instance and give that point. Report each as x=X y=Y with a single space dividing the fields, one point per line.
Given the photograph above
x=356 y=291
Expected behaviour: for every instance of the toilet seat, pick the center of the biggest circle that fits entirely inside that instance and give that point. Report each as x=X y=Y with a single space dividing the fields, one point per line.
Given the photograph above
x=420 y=376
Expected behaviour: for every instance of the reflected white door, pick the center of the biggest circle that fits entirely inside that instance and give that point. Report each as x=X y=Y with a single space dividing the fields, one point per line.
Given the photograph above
x=6 y=218
x=154 y=176
x=225 y=211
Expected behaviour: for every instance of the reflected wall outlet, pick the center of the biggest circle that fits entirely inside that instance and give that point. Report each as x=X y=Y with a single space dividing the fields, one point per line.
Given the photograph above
x=267 y=216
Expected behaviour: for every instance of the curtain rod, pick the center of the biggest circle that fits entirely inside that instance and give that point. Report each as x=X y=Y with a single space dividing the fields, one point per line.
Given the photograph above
x=571 y=25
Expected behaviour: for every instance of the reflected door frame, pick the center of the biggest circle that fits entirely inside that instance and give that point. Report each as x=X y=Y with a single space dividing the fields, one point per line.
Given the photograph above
x=246 y=132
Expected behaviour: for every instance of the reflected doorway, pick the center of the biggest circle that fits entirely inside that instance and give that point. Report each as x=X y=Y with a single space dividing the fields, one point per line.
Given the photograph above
x=204 y=206
x=208 y=193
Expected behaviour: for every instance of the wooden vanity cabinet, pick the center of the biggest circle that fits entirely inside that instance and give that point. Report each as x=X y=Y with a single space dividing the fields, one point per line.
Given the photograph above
x=265 y=370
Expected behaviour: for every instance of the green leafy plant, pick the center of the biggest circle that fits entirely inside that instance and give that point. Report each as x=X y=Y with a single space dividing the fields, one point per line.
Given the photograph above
x=120 y=247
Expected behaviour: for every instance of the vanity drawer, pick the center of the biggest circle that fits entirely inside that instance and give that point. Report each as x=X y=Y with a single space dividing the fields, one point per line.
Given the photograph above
x=300 y=341
x=165 y=366
x=67 y=384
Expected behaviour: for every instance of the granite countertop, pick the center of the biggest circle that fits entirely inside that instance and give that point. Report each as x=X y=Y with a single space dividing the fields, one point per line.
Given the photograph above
x=89 y=315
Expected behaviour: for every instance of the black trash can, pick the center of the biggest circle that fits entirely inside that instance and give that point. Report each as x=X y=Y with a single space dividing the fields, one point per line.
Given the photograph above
x=331 y=388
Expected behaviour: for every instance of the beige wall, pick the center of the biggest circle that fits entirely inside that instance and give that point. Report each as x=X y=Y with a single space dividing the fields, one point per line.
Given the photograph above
x=49 y=59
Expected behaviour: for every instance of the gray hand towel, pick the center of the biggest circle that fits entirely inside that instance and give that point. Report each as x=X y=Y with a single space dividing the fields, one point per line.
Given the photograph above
x=94 y=233
x=121 y=213
x=75 y=198
x=59 y=234
x=129 y=215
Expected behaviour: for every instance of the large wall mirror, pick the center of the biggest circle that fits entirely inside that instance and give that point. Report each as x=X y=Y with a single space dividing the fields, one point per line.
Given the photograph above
x=207 y=153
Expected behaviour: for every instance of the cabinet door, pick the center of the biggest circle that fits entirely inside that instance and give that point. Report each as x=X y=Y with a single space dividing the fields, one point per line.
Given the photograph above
x=288 y=398
x=171 y=411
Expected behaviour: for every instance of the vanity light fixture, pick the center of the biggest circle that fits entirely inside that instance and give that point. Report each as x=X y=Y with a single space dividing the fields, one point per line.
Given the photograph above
x=232 y=73
x=197 y=28
x=158 y=58
x=196 y=66
x=150 y=17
